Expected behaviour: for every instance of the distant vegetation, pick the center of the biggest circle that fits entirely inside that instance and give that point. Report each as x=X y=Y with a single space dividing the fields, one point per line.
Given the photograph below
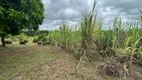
x=35 y=33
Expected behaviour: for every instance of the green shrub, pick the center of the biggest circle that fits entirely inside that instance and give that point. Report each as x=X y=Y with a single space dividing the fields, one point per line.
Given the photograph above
x=8 y=41
x=23 y=42
x=35 y=39
x=23 y=39
x=41 y=36
x=45 y=40
x=9 y=36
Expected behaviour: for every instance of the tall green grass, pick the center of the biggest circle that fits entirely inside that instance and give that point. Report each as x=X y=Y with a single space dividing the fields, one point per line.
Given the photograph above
x=90 y=40
x=123 y=38
x=66 y=37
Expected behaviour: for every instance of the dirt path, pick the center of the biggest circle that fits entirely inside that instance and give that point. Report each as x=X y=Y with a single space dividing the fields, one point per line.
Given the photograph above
x=60 y=69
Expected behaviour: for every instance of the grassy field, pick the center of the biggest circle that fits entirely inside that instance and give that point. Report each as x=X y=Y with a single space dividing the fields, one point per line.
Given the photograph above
x=36 y=62
x=15 y=60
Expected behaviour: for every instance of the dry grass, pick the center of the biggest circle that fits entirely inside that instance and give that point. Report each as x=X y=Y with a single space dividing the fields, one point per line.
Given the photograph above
x=34 y=62
x=18 y=59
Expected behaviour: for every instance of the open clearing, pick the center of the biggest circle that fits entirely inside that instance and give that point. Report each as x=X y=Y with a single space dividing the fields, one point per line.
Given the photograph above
x=33 y=62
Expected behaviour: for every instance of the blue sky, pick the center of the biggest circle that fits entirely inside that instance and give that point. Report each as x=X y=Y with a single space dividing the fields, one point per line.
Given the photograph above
x=69 y=11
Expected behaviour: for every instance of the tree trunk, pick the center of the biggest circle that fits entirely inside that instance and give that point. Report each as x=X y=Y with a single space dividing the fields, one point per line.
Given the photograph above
x=2 y=41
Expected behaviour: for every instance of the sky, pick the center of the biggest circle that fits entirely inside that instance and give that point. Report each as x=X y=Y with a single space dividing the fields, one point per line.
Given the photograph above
x=69 y=11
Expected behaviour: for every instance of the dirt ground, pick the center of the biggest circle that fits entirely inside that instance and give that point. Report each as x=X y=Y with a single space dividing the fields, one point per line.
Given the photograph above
x=61 y=68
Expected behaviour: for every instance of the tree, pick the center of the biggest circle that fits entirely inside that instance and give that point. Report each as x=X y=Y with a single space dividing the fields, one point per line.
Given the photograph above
x=16 y=15
x=11 y=18
x=35 y=11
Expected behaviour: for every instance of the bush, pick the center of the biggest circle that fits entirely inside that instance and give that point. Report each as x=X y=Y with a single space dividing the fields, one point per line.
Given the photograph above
x=45 y=40
x=23 y=42
x=42 y=39
x=8 y=41
x=9 y=36
x=41 y=36
x=35 y=39
x=23 y=39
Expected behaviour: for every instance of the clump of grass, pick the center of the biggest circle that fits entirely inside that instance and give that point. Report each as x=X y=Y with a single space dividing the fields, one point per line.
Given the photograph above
x=23 y=39
x=90 y=31
x=66 y=38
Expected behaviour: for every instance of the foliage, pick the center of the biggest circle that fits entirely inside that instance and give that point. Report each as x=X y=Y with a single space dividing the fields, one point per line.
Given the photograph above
x=123 y=39
x=66 y=38
x=90 y=31
x=35 y=33
x=23 y=39
x=45 y=40
x=106 y=39
x=16 y=15
x=12 y=19
x=35 y=10
x=42 y=38
x=8 y=41
x=35 y=39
